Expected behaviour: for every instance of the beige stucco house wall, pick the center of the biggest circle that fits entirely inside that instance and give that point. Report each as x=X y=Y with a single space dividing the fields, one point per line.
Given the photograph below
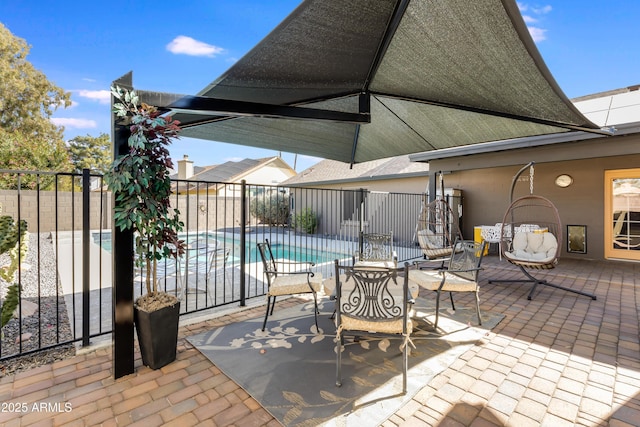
x=484 y=174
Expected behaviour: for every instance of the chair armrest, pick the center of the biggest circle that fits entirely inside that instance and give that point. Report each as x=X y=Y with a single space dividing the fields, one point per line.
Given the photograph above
x=309 y=263
x=418 y=264
x=465 y=270
x=291 y=273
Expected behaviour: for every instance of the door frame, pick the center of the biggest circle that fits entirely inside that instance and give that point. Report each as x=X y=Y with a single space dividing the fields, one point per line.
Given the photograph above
x=609 y=251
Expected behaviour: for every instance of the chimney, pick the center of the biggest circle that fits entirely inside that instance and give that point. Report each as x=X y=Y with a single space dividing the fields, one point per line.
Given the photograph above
x=185 y=168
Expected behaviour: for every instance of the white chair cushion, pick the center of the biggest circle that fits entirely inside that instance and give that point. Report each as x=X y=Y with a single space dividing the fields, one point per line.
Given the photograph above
x=295 y=284
x=387 y=327
x=429 y=239
x=532 y=246
x=431 y=280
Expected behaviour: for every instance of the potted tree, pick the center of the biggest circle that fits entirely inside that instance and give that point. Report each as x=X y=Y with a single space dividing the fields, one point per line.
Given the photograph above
x=141 y=185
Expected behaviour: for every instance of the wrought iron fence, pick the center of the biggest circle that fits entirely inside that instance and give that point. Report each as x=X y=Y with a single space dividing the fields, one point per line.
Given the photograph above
x=65 y=282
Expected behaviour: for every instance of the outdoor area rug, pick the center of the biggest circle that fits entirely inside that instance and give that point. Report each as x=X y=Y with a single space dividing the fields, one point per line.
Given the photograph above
x=290 y=368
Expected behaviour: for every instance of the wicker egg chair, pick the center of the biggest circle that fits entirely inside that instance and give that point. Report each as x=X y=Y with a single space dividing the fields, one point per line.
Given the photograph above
x=531 y=236
x=437 y=229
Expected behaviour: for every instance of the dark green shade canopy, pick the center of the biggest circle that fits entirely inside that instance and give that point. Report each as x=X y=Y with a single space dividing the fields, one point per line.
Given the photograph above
x=413 y=76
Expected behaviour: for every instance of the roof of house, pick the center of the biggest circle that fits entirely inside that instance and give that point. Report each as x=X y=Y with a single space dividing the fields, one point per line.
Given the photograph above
x=227 y=172
x=331 y=171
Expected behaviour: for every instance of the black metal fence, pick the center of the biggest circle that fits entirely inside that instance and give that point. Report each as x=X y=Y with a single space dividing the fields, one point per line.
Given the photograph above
x=65 y=280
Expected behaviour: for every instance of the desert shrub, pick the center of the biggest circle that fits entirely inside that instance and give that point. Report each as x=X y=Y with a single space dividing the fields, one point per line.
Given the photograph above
x=272 y=209
x=306 y=221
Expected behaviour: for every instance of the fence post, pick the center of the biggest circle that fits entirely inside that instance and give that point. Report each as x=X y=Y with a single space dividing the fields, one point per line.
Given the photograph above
x=361 y=219
x=86 y=255
x=243 y=242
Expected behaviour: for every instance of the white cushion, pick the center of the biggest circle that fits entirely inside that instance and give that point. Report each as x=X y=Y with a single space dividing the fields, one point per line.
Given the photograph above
x=431 y=280
x=289 y=284
x=388 y=327
x=520 y=242
x=533 y=246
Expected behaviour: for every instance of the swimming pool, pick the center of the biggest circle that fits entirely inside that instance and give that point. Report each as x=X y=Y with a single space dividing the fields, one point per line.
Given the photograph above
x=280 y=250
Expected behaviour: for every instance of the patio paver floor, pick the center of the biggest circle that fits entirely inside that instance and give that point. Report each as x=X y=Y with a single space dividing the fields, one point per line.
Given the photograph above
x=558 y=360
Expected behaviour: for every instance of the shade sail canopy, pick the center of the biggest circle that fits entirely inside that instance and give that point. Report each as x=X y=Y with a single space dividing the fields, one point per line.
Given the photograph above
x=360 y=80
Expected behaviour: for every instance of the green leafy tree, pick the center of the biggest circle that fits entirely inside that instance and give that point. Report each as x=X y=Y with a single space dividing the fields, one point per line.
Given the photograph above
x=21 y=152
x=91 y=153
x=28 y=138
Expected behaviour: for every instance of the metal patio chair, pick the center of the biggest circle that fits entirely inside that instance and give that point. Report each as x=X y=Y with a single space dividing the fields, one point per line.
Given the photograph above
x=376 y=250
x=461 y=275
x=373 y=302
x=299 y=280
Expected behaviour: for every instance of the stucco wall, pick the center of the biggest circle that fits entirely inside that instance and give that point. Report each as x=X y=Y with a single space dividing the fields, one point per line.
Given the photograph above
x=486 y=194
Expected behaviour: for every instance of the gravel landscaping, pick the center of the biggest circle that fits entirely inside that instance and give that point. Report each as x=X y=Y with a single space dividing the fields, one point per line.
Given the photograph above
x=39 y=328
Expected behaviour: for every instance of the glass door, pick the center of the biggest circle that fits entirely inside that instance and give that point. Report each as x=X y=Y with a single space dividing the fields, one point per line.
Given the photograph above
x=622 y=214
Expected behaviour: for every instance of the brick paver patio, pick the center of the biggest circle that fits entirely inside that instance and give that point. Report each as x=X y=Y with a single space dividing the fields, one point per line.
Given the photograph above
x=559 y=360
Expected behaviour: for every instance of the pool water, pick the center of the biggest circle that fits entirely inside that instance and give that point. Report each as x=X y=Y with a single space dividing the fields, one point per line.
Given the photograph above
x=280 y=251
x=297 y=254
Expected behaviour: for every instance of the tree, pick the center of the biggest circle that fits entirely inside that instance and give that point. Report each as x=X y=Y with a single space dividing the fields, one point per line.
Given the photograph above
x=91 y=153
x=28 y=139
x=21 y=152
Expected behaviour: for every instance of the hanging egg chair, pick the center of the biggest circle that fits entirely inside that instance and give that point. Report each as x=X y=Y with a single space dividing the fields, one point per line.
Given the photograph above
x=437 y=228
x=531 y=236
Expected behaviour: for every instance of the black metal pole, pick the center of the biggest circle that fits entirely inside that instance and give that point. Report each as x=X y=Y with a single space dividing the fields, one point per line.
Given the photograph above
x=122 y=257
x=86 y=255
x=243 y=242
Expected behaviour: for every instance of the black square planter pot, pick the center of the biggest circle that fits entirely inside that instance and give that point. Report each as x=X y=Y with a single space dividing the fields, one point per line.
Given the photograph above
x=158 y=335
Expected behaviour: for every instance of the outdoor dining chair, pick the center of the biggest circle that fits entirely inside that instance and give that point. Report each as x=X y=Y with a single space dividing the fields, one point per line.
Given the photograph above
x=372 y=302
x=298 y=279
x=461 y=275
x=376 y=250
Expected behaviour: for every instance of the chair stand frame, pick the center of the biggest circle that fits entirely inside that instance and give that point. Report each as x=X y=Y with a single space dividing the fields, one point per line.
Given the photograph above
x=271 y=305
x=535 y=281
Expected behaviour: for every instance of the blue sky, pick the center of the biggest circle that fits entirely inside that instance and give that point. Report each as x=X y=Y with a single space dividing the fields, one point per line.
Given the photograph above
x=590 y=46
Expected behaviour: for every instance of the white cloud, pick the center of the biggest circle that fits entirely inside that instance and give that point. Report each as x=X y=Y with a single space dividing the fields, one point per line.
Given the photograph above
x=189 y=46
x=75 y=123
x=542 y=10
x=102 y=96
x=538 y=34
x=531 y=14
